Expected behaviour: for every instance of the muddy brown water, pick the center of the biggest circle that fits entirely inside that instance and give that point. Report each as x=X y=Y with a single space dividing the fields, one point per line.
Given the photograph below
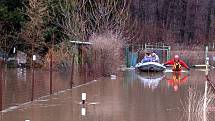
x=132 y=96
x=17 y=85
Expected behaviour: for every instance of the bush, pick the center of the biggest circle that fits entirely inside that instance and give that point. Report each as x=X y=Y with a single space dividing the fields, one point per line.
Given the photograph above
x=107 y=49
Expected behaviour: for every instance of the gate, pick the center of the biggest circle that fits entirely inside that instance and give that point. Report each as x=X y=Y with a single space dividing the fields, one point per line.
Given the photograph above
x=132 y=52
x=162 y=50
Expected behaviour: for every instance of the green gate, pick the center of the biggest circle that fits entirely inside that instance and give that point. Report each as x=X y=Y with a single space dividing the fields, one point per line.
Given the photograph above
x=131 y=52
x=162 y=50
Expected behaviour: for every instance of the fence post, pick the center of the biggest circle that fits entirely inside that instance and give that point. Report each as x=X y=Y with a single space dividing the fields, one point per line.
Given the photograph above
x=132 y=56
x=32 y=80
x=127 y=56
x=163 y=53
x=1 y=86
x=145 y=46
x=213 y=45
x=206 y=53
x=206 y=86
x=168 y=53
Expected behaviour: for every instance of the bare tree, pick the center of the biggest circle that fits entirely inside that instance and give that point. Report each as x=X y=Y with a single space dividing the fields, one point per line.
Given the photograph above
x=80 y=19
x=32 y=33
x=34 y=28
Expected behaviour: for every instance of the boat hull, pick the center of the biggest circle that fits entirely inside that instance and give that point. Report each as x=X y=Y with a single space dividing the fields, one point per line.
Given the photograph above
x=150 y=67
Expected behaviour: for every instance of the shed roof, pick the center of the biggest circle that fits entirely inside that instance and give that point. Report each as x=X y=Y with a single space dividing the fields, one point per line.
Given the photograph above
x=80 y=42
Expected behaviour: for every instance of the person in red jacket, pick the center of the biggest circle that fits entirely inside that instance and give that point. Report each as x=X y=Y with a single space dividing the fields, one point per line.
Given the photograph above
x=177 y=64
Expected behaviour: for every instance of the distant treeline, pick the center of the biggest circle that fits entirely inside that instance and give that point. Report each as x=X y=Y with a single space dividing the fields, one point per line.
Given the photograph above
x=31 y=25
x=181 y=21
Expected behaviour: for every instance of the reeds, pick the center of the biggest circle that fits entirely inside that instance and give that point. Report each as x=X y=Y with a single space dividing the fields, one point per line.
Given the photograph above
x=196 y=107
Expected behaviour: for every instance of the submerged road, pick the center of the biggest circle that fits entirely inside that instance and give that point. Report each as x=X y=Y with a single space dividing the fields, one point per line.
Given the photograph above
x=131 y=97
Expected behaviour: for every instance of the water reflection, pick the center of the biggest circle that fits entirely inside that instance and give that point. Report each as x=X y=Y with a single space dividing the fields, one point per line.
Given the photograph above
x=197 y=105
x=151 y=80
x=22 y=85
x=177 y=80
x=21 y=74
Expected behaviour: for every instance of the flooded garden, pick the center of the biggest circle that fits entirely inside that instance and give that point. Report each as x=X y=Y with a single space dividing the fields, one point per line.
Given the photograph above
x=107 y=60
x=130 y=96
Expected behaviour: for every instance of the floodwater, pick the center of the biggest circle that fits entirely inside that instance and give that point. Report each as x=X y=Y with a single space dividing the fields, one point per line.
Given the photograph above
x=132 y=96
x=20 y=85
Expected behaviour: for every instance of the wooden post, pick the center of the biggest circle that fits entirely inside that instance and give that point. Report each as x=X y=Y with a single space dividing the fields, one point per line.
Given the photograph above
x=132 y=57
x=1 y=86
x=32 y=91
x=72 y=70
x=95 y=64
x=50 y=73
x=51 y=65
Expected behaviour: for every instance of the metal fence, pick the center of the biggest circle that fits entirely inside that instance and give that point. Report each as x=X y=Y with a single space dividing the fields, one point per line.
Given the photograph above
x=135 y=52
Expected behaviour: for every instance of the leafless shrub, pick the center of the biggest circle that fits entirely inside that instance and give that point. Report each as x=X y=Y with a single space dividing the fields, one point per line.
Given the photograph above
x=108 y=49
x=101 y=22
x=80 y=19
x=62 y=57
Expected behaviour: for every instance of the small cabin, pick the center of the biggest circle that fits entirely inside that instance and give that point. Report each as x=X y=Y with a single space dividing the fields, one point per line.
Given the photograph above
x=81 y=49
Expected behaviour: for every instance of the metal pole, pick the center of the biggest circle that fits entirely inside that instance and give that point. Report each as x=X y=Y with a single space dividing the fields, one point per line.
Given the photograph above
x=206 y=88
x=145 y=46
x=163 y=54
x=189 y=106
x=213 y=45
x=132 y=56
x=205 y=102
x=168 y=53
x=206 y=53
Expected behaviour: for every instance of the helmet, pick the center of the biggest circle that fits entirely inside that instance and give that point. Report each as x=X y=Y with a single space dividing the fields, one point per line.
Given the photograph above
x=176 y=57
